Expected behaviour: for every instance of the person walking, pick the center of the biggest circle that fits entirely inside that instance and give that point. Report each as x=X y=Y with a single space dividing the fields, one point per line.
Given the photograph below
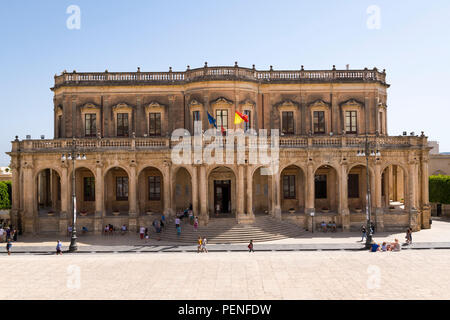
x=195 y=224
x=15 y=232
x=204 y=241
x=8 y=234
x=146 y=236
x=141 y=232
x=8 y=247
x=364 y=233
x=177 y=222
x=58 y=248
x=372 y=228
x=250 y=246
x=178 y=231
x=199 y=244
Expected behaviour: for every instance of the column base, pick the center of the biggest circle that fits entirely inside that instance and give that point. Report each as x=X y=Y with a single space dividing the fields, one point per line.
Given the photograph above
x=426 y=216
x=245 y=218
x=169 y=212
x=63 y=224
x=203 y=219
x=98 y=224
x=345 y=220
x=132 y=224
x=379 y=219
x=414 y=219
x=276 y=213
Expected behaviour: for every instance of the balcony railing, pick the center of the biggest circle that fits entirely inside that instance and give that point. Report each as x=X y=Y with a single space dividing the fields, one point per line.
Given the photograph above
x=219 y=73
x=302 y=142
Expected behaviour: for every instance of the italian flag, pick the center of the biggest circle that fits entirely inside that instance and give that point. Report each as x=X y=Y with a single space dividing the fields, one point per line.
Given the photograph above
x=239 y=117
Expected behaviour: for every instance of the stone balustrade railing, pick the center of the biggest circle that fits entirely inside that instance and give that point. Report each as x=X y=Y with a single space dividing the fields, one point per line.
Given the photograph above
x=220 y=73
x=93 y=144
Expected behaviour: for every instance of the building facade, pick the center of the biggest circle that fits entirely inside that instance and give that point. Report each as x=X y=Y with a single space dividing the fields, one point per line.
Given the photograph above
x=122 y=123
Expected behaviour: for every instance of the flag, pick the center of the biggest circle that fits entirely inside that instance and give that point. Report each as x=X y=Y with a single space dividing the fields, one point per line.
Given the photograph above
x=223 y=130
x=212 y=120
x=239 y=117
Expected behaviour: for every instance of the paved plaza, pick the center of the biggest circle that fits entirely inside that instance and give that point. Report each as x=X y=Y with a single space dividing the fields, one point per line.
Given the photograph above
x=409 y=274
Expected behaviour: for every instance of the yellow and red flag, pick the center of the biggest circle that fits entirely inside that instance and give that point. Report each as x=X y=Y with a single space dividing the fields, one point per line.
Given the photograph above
x=239 y=117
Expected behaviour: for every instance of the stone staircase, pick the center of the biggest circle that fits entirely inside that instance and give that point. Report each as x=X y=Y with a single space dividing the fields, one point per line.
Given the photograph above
x=227 y=230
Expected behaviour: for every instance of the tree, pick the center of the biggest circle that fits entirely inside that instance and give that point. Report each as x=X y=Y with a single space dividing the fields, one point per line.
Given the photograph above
x=5 y=196
x=439 y=188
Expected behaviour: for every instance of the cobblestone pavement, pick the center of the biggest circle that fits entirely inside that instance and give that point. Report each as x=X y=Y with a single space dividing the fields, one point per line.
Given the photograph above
x=411 y=274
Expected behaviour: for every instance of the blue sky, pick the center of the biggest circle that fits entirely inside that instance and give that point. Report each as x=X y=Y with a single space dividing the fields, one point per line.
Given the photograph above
x=412 y=44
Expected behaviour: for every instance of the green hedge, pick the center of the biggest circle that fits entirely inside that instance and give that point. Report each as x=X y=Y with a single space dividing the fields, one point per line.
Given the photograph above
x=5 y=194
x=439 y=189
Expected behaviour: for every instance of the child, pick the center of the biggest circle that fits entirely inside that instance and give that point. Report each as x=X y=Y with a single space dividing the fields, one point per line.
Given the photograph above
x=178 y=230
x=204 y=245
x=196 y=224
x=58 y=247
x=250 y=246
x=8 y=247
x=199 y=244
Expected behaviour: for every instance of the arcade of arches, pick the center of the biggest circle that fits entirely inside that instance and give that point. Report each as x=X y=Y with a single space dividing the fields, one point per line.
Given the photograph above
x=130 y=194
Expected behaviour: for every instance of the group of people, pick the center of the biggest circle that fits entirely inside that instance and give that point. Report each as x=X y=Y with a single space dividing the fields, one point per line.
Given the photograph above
x=201 y=245
x=331 y=226
x=10 y=235
x=393 y=246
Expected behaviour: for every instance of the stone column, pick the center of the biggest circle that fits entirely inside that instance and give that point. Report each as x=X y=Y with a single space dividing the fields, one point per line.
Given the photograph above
x=276 y=203
x=132 y=198
x=64 y=214
x=379 y=212
x=344 y=211
x=413 y=213
x=203 y=196
x=249 y=191
x=426 y=210
x=240 y=191
x=167 y=185
x=195 y=190
x=99 y=200
x=29 y=202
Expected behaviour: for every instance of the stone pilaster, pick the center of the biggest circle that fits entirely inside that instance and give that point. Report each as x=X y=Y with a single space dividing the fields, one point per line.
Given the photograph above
x=379 y=212
x=166 y=189
x=203 y=196
x=344 y=211
x=249 y=191
x=426 y=209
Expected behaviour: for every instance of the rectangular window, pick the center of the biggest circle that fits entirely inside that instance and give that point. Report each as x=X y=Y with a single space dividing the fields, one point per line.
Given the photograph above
x=90 y=124
x=122 y=124
x=319 y=121
x=353 y=185
x=154 y=128
x=222 y=119
x=195 y=117
x=350 y=122
x=154 y=188
x=89 y=188
x=320 y=186
x=287 y=122
x=121 y=188
x=59 y=126
x=247 y=125
x=289 y=187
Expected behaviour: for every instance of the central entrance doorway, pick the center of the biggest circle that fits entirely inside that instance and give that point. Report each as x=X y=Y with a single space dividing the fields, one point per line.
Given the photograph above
x=222 y=196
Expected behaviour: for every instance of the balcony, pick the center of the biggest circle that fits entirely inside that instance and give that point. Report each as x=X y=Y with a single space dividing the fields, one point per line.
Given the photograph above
x=218 y=73
x=164 y=143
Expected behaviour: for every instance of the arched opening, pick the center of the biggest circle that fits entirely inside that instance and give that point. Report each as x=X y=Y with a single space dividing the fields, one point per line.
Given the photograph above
x=326 y=189
x=182 y=192
x=48 y=195
x=116 y=192
x=393 y=188
x=150 y=191
x=222 y=194
x=260 y=191
x=85 y=191
x=357 y=188
x=292 y=191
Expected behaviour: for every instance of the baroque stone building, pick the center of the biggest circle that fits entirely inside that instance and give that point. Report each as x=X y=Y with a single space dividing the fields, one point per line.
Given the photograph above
x=122 y=123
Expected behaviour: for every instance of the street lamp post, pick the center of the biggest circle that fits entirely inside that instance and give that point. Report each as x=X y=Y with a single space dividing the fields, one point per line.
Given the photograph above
x=73 y=156
x=368 y=152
